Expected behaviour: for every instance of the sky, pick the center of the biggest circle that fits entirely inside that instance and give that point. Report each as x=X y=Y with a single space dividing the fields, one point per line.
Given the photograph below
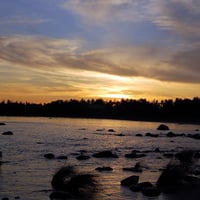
x=110 y=49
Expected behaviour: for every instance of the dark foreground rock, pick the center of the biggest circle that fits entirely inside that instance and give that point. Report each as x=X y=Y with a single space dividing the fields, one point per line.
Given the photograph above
x=2 y=124
x=131 y=180
x=151 y=191
x=163 y=127
x=67 y=182
x=105 y=154
x=8 y=133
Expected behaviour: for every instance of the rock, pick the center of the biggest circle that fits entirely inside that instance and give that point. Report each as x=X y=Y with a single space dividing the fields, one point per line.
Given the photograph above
x=62 y=157
x=139 y=135
x=111 y=130
x=7 y=133
x=163 y=127
x=104 y=169
x=157 y=150
x=49 y=156
x=83 y=157
x=105 y=154
x=185 y=156
x=171 y=134
x=151 y=135
x=5 y=198
x=132 y=169
x=140 y=186
x=2 y=124
x=194 y=136
x=151 y=191
x=133 y=154
x=131 y=180
x=136 y=168
x=168 y=155
x=171 y=175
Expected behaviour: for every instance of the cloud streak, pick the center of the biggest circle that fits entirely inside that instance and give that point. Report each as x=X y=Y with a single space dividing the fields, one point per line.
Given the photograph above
x=46 y=54
x=181 y=16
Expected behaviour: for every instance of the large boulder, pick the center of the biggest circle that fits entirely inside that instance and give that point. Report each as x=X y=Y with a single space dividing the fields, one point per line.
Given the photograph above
x=131 y=180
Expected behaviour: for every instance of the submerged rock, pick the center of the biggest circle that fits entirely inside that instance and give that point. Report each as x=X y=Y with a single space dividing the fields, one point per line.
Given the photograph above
x=105 y=154
x=163 y=127
x=7 y=133
x=82 y=157
x=104 y=169
x=151 y=191
x=49 y=156
x=131 y=180
x=151 y=135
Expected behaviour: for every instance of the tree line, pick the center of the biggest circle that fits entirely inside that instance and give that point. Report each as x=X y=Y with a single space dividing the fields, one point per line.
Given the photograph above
x=178 y=110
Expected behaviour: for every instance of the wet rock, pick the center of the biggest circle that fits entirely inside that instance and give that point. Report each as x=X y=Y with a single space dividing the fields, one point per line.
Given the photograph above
x=104 y=169
x=111 y=130
x=7 y=133
x=139 y=135
x=17 y=197
x=151 y=191
x=171 y=134
x=133 y=154
x=157 y=150
x=168 y=155
x=136 y=168
x=171 y=175
x=101 y=129
x=140 y=186
x=163 y=127
x=82 y=157
x=131 y=180
x=5 y=198
x=2 y=124
x=185 y=156
x=49 y=156
x=151 y=135
x=105 y=154
x=194 y=136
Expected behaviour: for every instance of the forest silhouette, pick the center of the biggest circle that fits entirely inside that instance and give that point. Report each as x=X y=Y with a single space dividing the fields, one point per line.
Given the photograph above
x=178 y=110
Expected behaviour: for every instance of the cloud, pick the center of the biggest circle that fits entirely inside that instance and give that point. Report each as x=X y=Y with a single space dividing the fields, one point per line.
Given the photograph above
x=67 y=56
x=13 y=20
x=181 y=16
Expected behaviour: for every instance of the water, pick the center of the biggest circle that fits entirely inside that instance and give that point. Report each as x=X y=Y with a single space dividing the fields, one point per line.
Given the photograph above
x=26 y=174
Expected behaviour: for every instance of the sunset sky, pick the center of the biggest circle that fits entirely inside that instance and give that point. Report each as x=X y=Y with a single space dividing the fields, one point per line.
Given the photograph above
x=63 y=49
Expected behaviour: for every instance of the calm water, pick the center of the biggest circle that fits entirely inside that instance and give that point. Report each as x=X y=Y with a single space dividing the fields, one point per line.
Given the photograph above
x=25 y=173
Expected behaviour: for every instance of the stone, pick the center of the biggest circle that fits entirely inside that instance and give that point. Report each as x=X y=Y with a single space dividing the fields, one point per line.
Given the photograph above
x=131 y=180
x=7 y=133
x=105 y=154
x=104 y=169
x=151 y=191
x=49 y=156
x=163 y=127
x=82 y=157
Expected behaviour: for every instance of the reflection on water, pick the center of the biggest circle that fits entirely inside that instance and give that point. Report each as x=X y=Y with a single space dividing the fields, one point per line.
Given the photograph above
x=25 y=173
